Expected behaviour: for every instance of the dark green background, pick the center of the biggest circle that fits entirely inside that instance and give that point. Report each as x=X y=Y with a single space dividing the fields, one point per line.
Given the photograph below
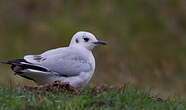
x=146 y=38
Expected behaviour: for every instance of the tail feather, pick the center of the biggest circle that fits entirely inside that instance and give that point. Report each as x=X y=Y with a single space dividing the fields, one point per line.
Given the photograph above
x=22 y=64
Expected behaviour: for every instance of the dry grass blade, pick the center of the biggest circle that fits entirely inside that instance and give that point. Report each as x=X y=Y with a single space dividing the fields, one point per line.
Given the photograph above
x=57 y=86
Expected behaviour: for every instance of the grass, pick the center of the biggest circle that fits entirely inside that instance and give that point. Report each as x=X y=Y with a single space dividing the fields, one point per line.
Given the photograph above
x=93 y=98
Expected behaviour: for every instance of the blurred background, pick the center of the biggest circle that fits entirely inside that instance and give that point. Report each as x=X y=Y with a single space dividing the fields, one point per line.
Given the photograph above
x=146 y=38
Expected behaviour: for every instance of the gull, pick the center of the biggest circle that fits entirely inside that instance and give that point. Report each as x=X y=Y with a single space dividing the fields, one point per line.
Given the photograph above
x=74 y=64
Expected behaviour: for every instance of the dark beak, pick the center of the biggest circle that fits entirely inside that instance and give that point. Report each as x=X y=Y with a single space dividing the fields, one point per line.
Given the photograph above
x=100 y=42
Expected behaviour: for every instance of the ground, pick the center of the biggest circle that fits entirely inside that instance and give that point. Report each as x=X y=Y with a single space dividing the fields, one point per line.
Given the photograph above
x=61 y=96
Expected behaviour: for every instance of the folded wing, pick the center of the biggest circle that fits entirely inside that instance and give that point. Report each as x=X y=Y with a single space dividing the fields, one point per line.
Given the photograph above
x=68 y=62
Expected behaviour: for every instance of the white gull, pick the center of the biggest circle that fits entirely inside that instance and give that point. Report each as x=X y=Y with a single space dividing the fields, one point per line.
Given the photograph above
x=74 y=64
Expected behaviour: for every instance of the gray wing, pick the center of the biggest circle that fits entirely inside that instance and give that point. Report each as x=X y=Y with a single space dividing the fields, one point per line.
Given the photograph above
x=68 y=62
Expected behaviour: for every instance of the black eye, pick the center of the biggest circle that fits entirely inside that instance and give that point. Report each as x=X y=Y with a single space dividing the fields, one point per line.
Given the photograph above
x=86 y=39
x=77 y=41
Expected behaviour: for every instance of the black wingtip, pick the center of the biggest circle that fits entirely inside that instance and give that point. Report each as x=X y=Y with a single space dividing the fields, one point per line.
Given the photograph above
x=16 y=61
x=4 y=62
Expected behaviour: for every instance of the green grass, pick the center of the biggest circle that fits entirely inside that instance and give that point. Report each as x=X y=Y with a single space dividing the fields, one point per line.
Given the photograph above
x=90 y=99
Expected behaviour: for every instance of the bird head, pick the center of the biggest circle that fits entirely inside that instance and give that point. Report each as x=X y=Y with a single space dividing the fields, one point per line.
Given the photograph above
x=86 y=40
